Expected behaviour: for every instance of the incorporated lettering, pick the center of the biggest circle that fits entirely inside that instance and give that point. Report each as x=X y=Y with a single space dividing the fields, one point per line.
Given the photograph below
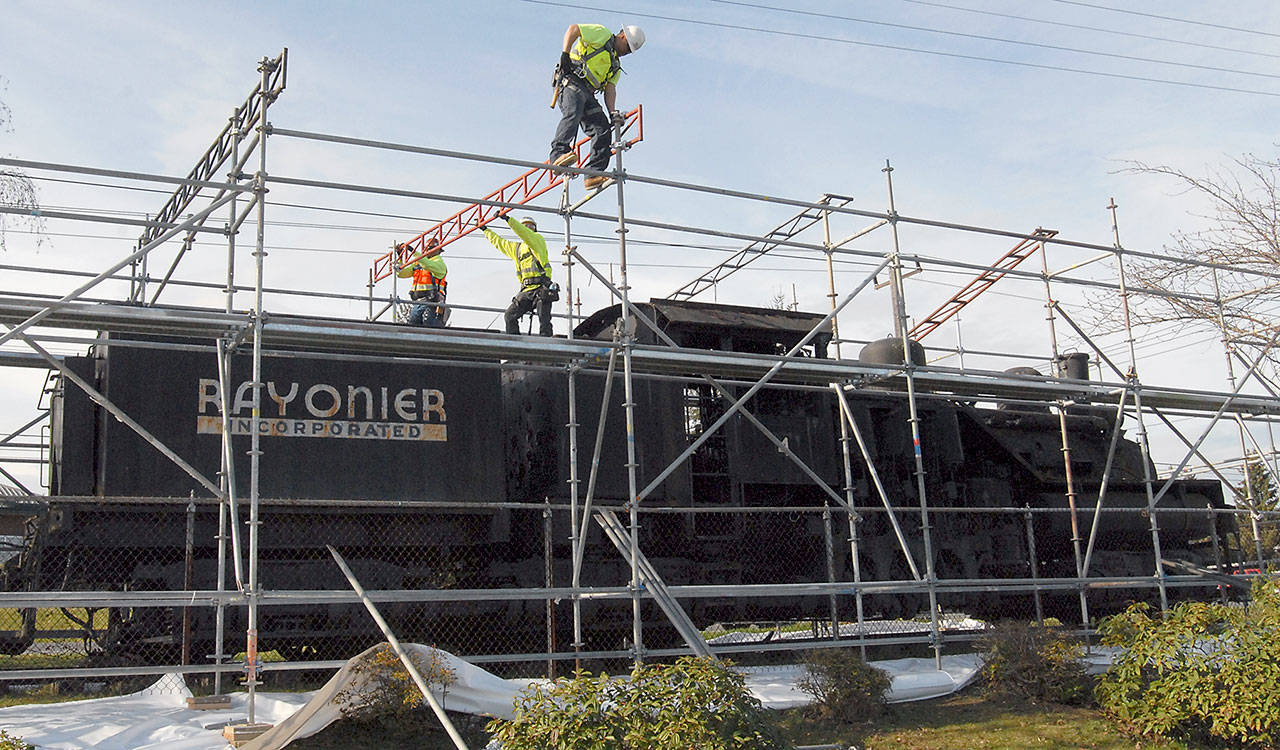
x=323 y=428
x=371 y=413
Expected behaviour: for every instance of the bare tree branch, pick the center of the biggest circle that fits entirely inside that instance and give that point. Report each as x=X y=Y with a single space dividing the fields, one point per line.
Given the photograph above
x=16 y=188
x=1243 y=232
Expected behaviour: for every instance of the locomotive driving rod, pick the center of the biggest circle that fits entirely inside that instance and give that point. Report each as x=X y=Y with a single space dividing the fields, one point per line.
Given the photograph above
x=395 y=646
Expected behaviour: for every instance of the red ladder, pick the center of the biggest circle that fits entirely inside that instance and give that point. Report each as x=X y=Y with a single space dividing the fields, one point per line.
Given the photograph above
x=981 y=283
x=521 y=190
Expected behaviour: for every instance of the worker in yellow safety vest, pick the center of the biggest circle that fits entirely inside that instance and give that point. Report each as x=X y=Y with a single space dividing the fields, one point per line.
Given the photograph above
x=533 y=269
x=589 y=63
x=429 y=289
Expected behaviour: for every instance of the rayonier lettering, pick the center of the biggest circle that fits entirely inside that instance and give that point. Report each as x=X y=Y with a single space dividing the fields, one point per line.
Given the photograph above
x=322 y=410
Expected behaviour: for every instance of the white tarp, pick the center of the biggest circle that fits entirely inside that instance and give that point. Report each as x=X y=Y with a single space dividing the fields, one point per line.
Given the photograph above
x=474 y=691
x=910 y=680
x=158 y=717
x=154 y=718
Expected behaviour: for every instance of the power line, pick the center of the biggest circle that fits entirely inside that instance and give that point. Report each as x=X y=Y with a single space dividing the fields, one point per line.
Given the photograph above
x=902 y=48
x=300 y=206
x=1098 y=29
x=1166 y=18
x=1039 y=45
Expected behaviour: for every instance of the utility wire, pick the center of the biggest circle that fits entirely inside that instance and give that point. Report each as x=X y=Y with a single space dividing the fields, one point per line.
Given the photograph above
x=902 y=48
x=1166 y=18
x=1039 y=45
x=304 y=207
x=1098 y=29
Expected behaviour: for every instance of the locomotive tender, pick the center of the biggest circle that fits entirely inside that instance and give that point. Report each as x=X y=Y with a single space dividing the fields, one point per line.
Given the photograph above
x=420 y=471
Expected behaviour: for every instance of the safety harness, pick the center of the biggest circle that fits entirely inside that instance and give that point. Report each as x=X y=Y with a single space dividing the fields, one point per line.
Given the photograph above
x=582 y=69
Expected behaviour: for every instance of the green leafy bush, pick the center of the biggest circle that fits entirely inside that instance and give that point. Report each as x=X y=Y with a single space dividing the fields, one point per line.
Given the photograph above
x=382 y=686
x=694 y=703
x=10 y=742
x=1034 y=662
x=846 y=688
x=1204 y=672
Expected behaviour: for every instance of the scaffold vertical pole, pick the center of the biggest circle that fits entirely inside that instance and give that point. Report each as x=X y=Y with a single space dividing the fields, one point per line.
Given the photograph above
x=255 y=449
x=900 y=327
x=548 y=563
x=1135 y=386
x=854 y=520
x=1068 y=473
x=1035 y=564
x=1228 y=347
x=831 y=276
x=233 y=179
x=829 y=555
x=628 y=339
x=574 y=481
x=227 y=522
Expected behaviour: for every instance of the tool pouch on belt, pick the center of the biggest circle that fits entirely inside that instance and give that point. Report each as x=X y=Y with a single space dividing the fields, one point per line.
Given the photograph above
x=424 y=295
x=550 y=292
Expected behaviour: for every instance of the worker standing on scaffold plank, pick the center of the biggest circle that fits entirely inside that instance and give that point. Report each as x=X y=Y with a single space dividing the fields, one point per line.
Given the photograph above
x=534 y=271
x=589 y=63
x=428 y=290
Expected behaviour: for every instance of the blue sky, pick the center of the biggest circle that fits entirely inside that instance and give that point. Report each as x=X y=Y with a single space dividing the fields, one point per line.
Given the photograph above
x=788 y=103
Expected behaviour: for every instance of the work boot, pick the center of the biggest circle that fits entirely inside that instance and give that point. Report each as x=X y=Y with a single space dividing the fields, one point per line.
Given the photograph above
x=567 y=159
x=597 y=181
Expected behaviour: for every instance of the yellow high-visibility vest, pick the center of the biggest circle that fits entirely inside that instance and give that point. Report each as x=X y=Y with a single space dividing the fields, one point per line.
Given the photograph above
x=595 y=57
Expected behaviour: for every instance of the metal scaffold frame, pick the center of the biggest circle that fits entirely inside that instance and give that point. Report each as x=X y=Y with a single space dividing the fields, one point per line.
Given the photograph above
x=732 y=376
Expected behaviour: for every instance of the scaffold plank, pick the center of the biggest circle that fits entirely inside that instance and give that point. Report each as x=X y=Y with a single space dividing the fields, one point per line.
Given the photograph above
x=375 y=338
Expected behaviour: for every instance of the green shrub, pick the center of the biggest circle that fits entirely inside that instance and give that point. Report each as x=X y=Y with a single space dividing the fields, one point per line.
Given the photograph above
x=1203 y=672
x=846 y=688
x=10 y=742
x=1034 y=662
x=384 y=688
x=694 y=703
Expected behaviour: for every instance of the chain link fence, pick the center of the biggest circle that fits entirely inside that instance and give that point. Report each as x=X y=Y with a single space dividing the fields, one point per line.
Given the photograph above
x=117 y=593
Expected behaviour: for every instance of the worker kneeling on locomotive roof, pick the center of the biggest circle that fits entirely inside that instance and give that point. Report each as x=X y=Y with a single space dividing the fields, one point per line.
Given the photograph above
x=429 y=289
x=533 y=270
x=589 y=63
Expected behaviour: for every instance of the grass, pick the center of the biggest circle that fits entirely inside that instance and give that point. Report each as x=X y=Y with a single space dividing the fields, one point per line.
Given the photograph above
x=967 y=720
x=69 y=660
x=53 y=618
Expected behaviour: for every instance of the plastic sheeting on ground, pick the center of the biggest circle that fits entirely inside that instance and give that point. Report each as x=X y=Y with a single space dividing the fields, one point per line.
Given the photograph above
x=158 y=717
x=910 y=680
x=474 y=691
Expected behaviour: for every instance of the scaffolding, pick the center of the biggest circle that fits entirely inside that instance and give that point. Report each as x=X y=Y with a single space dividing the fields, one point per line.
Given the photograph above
x=37 y=319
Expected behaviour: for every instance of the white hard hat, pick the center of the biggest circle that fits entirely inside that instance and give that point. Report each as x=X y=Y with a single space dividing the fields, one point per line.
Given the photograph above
x=634 y=36
x=529 y=222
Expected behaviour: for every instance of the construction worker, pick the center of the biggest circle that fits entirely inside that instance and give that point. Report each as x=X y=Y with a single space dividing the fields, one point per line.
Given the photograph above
x=429 y=289
x=533 y=270
x=589 y=63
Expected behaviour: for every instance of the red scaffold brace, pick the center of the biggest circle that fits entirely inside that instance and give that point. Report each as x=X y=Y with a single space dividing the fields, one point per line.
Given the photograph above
x=519 y=191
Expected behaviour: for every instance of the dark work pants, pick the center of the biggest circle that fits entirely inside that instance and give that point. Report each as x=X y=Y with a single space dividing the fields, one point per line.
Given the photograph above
x=579 y=107
x=524 y=303
x=424 y=314
x=424 y=311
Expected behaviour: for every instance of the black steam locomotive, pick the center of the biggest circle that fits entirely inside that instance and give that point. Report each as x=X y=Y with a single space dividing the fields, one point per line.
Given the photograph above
x=439 y=474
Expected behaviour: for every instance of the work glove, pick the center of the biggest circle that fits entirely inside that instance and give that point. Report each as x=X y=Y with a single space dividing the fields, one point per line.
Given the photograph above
x=566 y=64
x=616 y=118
